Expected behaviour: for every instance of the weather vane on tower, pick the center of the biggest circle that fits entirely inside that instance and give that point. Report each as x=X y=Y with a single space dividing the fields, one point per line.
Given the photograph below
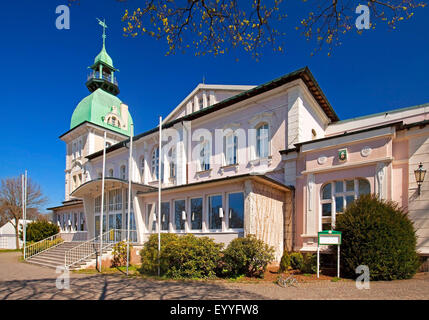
x=103 y=24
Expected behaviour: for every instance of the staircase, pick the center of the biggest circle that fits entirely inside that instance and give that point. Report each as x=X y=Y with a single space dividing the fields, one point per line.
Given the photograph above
x=54 y=252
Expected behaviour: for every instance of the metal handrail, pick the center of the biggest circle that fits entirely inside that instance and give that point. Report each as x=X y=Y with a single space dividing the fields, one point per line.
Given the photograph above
x=43 y=245
x=104 y=76
x=92 y=246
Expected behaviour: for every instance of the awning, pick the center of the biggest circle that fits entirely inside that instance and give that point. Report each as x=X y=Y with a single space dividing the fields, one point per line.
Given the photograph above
x=93 y=187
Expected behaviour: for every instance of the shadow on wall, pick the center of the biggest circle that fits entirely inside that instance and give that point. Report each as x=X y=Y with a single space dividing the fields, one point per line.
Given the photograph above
x=98 y=287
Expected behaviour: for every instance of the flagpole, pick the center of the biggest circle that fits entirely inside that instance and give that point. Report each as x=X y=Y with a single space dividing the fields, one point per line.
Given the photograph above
x=25 y=214
x=159 y=194
x=130 y=166
x=22 y=202
x=102 y=200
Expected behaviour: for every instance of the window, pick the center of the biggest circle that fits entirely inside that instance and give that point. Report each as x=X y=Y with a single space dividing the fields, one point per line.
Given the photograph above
x=115 y=200
x=262 y=143
x=165 y=215
x=172 y=155
x=82 y=222
x=151 y=217
x=337 y=195
x=215 y=204
x=126 y=200
x=123 y=172
x=179 y=217
x=231 y=148
x=97 y=207
x=111 y=173
x=204 y=156
x=197 y=214
x=100 y=175
x=155 y=165
x=142 y=169
x=75 y=222
x=236 y=210
x=201 y=102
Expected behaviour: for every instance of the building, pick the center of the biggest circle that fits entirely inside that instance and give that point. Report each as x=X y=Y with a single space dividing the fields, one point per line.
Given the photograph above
x=272 y=160
x=8 y=235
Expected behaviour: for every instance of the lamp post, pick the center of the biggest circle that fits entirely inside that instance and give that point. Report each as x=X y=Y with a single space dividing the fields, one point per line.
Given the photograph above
x=419 y=174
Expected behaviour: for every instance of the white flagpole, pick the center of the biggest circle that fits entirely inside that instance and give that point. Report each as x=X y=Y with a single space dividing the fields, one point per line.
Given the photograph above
x=25 y=214
x=102 y=200
x=130 y=166
x=159 y=194
x=22 y=199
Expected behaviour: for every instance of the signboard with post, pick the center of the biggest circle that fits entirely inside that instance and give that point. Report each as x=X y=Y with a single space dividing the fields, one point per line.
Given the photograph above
x=329 y=237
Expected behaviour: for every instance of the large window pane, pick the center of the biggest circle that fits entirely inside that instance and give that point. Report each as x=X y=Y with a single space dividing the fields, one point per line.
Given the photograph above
x=179 y=207
x=349 y=199
x=236 y=210
x=326 y=192
x=364 y=187
x=215 y=203
x=197 y=214
x=350 y=185
x=112 y=221
x=118 y=222
x=326 y=210
x=339 y=204
x=165 y=215
x=151 y=217
x=97 y=225
x=339 y=187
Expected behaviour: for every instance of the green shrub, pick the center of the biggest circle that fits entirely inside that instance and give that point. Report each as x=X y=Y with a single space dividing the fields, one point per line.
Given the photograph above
x=296 y=260
x=249 y=256
x=149 y=253
x=119 y=253
x=192 y=257
x=380 y=235
x=39 y=230
x=285 y=262
x=309 y=264
x=181 y=256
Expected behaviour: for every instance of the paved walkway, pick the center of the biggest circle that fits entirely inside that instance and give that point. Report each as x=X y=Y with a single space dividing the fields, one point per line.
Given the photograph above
x=20 y=280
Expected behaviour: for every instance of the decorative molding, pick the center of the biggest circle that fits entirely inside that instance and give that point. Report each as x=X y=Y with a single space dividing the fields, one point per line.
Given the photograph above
x=233 y=126
x=322 y=160
x=310 y=191
x=380 y=175
x=366 y=151
x=261 y=116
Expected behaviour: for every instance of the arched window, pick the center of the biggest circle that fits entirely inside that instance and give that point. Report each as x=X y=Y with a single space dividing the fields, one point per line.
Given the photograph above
x=204 y=159
x=336 y=195
x=172 y=155
x=142 y=169
x=155 y=163
x=262 y=140
x=231 y=149
x=111 y=173
x=123 y=172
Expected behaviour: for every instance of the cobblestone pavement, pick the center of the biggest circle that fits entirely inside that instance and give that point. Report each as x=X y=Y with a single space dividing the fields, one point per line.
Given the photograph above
x=20 y=280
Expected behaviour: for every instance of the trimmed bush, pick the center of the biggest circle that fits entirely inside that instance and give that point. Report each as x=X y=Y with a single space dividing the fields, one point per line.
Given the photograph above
x=192 y=257
x=119 y=253
x=309 y=264
x=247 y=256
x=39 y=230
x=285 y=262
x=296 y=260
x=181 y=256
x=378 y=234
x=149 y=253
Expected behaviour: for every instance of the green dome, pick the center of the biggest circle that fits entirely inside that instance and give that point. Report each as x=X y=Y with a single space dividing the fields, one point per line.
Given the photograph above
x=95 y=107
x=104 y=57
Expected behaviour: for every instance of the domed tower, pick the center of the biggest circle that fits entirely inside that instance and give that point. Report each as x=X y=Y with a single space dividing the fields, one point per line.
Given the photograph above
x=101 y=111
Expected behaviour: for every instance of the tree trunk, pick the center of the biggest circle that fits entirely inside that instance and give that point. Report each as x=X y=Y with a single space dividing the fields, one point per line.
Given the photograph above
x=17 y=235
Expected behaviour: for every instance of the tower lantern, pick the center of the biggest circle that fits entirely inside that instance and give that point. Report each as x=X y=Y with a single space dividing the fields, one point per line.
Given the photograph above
x=103 y=72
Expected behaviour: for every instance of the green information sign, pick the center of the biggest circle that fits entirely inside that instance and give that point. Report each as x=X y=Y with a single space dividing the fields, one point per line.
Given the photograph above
x=329 y=237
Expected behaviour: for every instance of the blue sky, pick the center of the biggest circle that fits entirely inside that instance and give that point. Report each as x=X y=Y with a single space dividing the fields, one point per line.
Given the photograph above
x=44 y=72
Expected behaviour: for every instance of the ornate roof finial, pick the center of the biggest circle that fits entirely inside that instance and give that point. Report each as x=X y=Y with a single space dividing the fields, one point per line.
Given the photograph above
x=103 y=24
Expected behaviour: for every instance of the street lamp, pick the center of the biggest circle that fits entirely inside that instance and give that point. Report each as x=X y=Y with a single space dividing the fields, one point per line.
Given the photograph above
x=420 y=176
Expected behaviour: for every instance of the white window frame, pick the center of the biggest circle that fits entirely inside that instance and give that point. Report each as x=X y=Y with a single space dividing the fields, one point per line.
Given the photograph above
x=258 y=150
x=334 y=194
x=208 y=212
